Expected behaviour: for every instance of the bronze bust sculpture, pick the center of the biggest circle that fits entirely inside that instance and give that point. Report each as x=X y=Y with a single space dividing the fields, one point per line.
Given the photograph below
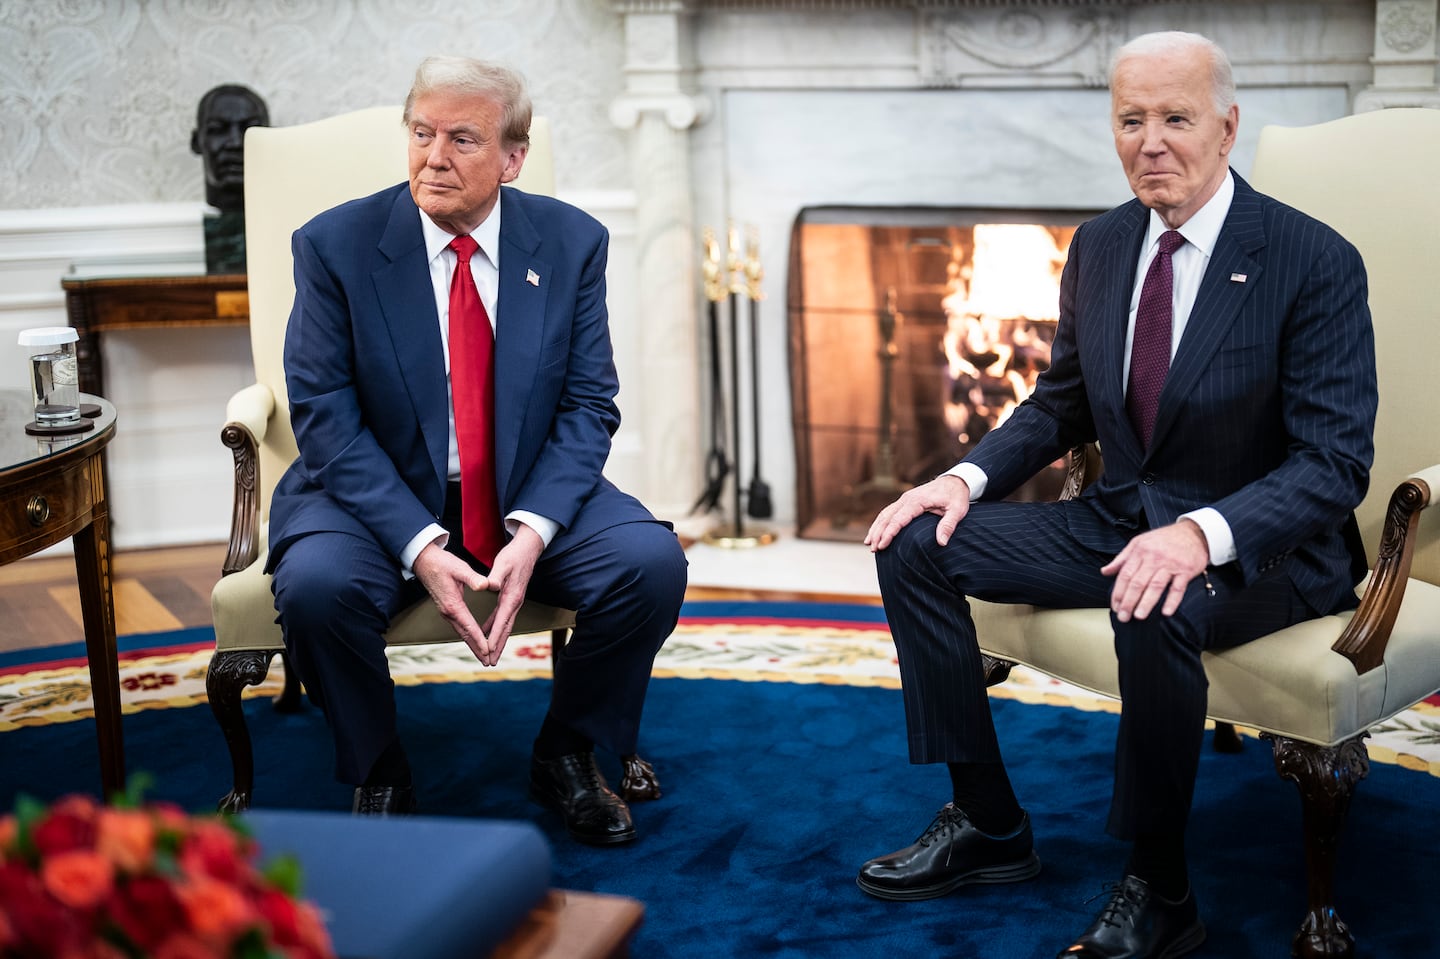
x=224 y=114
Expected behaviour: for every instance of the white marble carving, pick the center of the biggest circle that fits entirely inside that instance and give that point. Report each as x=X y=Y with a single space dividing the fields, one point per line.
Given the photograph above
x=1018 y=47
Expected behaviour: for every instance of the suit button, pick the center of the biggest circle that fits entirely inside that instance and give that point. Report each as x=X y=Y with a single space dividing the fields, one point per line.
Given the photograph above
x=1148 y=479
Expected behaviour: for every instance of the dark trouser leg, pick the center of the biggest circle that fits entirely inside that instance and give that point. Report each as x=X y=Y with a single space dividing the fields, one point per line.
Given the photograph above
x=1033 y=553
x=1163 y=693
x=924 y=587
x=335 y=594
x=626 y=584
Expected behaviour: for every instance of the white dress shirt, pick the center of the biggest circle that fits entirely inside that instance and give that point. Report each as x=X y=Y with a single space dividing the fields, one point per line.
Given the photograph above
x=485 y=267
x=1188 y=262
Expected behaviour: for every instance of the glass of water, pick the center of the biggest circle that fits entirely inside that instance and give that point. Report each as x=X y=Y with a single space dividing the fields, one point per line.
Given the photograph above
x=54 y=376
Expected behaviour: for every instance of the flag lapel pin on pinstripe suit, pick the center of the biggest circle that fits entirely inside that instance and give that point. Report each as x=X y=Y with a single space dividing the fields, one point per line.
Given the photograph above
x=533 y=278
x=1238 y=278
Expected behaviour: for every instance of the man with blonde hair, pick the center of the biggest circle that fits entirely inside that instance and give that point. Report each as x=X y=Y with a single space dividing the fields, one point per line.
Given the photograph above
x=452 y=387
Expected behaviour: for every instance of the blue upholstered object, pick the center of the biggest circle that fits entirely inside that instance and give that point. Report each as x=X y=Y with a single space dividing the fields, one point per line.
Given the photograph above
x=411 y=887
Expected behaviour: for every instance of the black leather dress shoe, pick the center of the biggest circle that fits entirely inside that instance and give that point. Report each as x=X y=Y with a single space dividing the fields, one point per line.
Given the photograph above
x=574 y=786
x=384 y=801
x=949 y=854
x=1138 y=924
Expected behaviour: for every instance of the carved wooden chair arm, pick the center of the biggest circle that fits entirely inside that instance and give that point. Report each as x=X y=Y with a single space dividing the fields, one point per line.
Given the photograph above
x=1365 y=636
x=247 y=415
x=1084 y=468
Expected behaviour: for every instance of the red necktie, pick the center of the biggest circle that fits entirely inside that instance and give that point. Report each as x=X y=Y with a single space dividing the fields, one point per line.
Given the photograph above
x=1150 y=348
x=472 y=392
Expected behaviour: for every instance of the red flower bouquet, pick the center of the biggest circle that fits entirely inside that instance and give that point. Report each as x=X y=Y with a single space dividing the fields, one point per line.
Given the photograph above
x=83 y=881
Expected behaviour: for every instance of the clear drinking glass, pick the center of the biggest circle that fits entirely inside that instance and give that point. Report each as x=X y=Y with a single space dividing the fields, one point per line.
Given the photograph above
x=54 y=375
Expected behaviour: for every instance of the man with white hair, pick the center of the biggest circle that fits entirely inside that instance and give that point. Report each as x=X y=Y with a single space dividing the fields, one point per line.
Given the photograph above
x=1217 y=345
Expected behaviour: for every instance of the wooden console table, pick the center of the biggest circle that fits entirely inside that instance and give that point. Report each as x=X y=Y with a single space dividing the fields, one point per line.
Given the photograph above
x=52 y=487
x=98 y=304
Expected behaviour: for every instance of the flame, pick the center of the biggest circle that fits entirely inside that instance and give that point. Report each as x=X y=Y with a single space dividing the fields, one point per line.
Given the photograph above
x=1013 y=273
x=993 y=348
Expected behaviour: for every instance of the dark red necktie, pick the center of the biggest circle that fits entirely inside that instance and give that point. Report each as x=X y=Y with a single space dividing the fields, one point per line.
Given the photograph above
x=472 y=392
x=1150 y=348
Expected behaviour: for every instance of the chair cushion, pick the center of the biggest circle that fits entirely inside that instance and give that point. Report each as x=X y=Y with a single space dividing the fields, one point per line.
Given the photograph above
x=1273 y=684
x=244 y=612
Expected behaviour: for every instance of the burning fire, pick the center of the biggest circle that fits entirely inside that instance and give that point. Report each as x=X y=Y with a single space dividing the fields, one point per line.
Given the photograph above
x=1002 y=303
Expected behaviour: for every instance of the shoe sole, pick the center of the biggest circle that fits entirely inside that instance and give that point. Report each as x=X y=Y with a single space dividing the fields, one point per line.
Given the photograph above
x=1189 y=940
x=1009 y=872
x=615 y=839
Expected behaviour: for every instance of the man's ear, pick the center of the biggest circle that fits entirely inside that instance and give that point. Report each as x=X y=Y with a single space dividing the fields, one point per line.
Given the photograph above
x=514 y=161
x=1232 y=127
x=195 y=142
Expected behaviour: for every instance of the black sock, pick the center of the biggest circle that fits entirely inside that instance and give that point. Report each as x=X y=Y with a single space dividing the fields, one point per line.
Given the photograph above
x=983 y=792
x=1160 y=861
x=391 y=769
x=556 y=740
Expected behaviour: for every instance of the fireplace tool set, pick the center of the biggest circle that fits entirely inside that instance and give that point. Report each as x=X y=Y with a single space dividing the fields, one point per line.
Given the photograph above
x=737 y=278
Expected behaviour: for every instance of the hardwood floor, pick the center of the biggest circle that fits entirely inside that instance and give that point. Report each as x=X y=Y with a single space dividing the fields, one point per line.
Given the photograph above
x=163 y=589
x=155 y=590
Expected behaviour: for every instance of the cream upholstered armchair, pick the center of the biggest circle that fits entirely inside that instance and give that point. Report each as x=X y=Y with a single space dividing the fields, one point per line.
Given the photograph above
x=291 y=174
x=1314 y=690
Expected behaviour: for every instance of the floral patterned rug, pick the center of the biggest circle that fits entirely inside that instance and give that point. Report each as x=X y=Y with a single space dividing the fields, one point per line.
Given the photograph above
x=830 y=643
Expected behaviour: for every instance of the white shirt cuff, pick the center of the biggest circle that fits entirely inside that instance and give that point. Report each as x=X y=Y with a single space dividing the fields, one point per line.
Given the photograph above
x=973 y=476
x=1218 y=536
x=434 y=533
x=547 y=528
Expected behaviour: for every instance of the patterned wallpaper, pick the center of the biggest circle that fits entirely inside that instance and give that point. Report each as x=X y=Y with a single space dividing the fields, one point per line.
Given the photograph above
x=98 y=97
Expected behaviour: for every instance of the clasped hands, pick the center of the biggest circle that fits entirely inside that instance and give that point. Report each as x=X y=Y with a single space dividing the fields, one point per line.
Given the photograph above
x=1152 y=570
x=446 y=576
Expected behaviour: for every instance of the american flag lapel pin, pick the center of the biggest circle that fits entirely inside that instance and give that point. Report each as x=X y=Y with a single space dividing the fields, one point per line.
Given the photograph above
x=1238 y=278
x=533 y=278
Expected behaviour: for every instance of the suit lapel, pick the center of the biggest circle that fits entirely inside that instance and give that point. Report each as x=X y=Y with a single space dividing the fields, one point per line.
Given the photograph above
x=407 y=300
x=1118 y=270
x=519 y=329
x=1217 y=304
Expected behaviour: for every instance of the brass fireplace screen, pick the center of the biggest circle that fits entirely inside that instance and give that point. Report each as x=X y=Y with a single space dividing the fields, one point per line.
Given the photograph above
x=913 y=332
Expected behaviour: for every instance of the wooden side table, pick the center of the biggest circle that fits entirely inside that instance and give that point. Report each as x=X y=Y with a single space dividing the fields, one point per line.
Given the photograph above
x=99 y=304
x=52 y=487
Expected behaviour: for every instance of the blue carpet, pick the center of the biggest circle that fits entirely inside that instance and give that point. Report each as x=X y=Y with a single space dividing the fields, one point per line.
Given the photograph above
x=776 y=793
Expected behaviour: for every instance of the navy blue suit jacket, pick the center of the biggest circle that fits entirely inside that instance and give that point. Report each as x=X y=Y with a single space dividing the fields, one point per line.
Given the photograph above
x=365 y=369
x=1267 y=413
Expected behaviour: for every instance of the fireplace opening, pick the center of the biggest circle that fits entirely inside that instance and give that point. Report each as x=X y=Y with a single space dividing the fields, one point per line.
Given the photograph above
x=913 y=332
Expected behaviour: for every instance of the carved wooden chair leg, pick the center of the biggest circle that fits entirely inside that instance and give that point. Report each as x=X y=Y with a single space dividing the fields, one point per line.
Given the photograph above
x=638 y=782
x=1326 y=777
x=230 y=671
x=996 y=670
x=291 y=699
x=1226 y=739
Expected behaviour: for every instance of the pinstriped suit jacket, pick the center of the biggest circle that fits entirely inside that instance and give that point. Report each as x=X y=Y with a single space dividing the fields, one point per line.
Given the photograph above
x=1268 y=411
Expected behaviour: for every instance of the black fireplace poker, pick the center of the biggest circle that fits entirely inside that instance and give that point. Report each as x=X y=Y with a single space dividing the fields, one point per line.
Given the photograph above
x=757 y=500
x=717 y=465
